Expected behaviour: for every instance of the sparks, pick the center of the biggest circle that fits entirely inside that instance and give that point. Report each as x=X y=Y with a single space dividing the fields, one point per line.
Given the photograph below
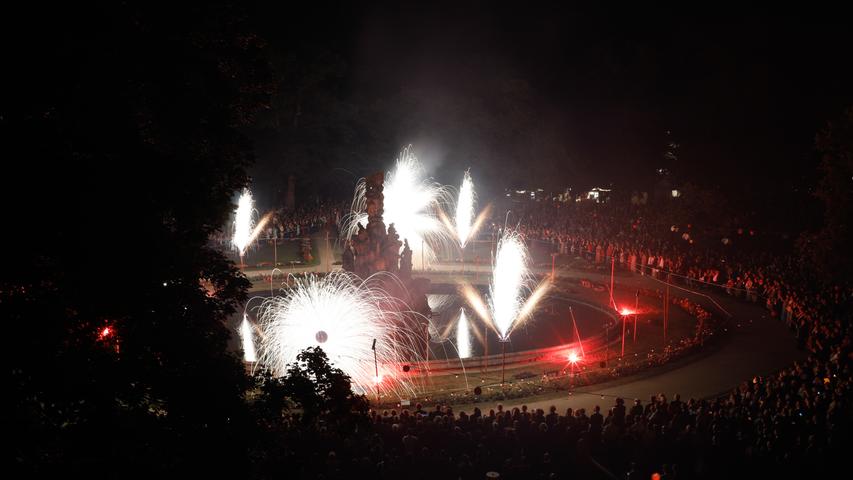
x=475 y=300
x=343 y=316
x=532 y=301
x=439 y=302
x=411 y=203
x=465 y=210
x=244 y=222
x=510 y=279
x=463 y=337
x=247 y=338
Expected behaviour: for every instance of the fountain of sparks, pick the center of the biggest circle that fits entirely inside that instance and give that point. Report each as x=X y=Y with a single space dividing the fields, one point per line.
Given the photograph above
x=510 y=283
x=343 y=316
x=244 y=222
x=411 y=203
x=245 y=228
x=463 y=336
x=247 y=338
x=464 y=225
x=465 y=210
x=507 y=308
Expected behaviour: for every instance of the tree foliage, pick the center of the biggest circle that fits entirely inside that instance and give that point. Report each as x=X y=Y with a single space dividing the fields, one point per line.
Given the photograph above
x=317 y=387
x=827 y=248
x=131 y=133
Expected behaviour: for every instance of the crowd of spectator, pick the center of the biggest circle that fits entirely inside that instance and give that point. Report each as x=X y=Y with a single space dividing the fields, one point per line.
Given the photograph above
x=296 y=223
x=787 y=421
x=793 y=422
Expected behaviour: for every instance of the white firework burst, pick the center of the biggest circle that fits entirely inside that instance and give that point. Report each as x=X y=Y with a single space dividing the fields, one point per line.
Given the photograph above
x=510 y=283
x=244 y=222
x=343 y=316
x=465 y=210
x=247 y=339
x=412 y=203
x=463 y=335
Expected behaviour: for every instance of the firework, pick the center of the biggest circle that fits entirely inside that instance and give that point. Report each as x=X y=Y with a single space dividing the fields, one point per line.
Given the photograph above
x=247 y=338
x=506 y=307
x=343 y=316
x=463 y=336
x=510 y=283
x=438 y=303
x=465 y=210
x=476 y=302
x=244 y=222
x=411 y=203
x=529 y=305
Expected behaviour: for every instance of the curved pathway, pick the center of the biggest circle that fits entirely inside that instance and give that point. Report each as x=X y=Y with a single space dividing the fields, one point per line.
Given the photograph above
x=758 y=345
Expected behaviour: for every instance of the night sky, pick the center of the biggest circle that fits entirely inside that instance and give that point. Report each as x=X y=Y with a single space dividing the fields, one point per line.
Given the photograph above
x=531 y=95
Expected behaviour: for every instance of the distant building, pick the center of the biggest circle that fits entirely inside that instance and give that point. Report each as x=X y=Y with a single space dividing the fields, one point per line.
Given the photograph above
x=525 y=194
x=598 y=195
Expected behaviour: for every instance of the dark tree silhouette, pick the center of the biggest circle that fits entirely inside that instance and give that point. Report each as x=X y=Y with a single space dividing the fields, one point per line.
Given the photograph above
x=131 y=152
x=828 y=248
x=319 y=388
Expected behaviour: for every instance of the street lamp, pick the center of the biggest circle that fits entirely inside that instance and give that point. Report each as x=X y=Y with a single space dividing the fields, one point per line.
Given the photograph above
x=376 y=367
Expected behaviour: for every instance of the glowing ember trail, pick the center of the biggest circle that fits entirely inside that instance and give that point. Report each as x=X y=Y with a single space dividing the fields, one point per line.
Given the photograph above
x=342 y=316
x=411 y=204
x=476 y=302
x=463 y=336
x=247 y=337
x=465 y=210
x=510 y=279
x=527 y=310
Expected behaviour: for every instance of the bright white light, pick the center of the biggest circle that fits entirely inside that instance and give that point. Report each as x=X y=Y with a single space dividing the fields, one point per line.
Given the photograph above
x=465 y=210
x=439 y=302
x=510 y=279
x=531 y=302
x=463 y=336
x=244 y=222
x=573 y=357
x=343 y=316
x=247 y=337
x=476 y=302
x=410 y=203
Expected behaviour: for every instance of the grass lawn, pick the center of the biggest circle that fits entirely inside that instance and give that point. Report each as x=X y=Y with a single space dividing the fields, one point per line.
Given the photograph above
x=286 y=253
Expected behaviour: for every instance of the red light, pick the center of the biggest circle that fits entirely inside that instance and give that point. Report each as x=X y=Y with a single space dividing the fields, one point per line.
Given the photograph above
x=626 y=311
x=573 y=357
x=106 y=332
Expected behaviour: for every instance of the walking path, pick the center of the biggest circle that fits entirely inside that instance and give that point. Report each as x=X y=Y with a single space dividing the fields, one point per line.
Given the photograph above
x=759 y=345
